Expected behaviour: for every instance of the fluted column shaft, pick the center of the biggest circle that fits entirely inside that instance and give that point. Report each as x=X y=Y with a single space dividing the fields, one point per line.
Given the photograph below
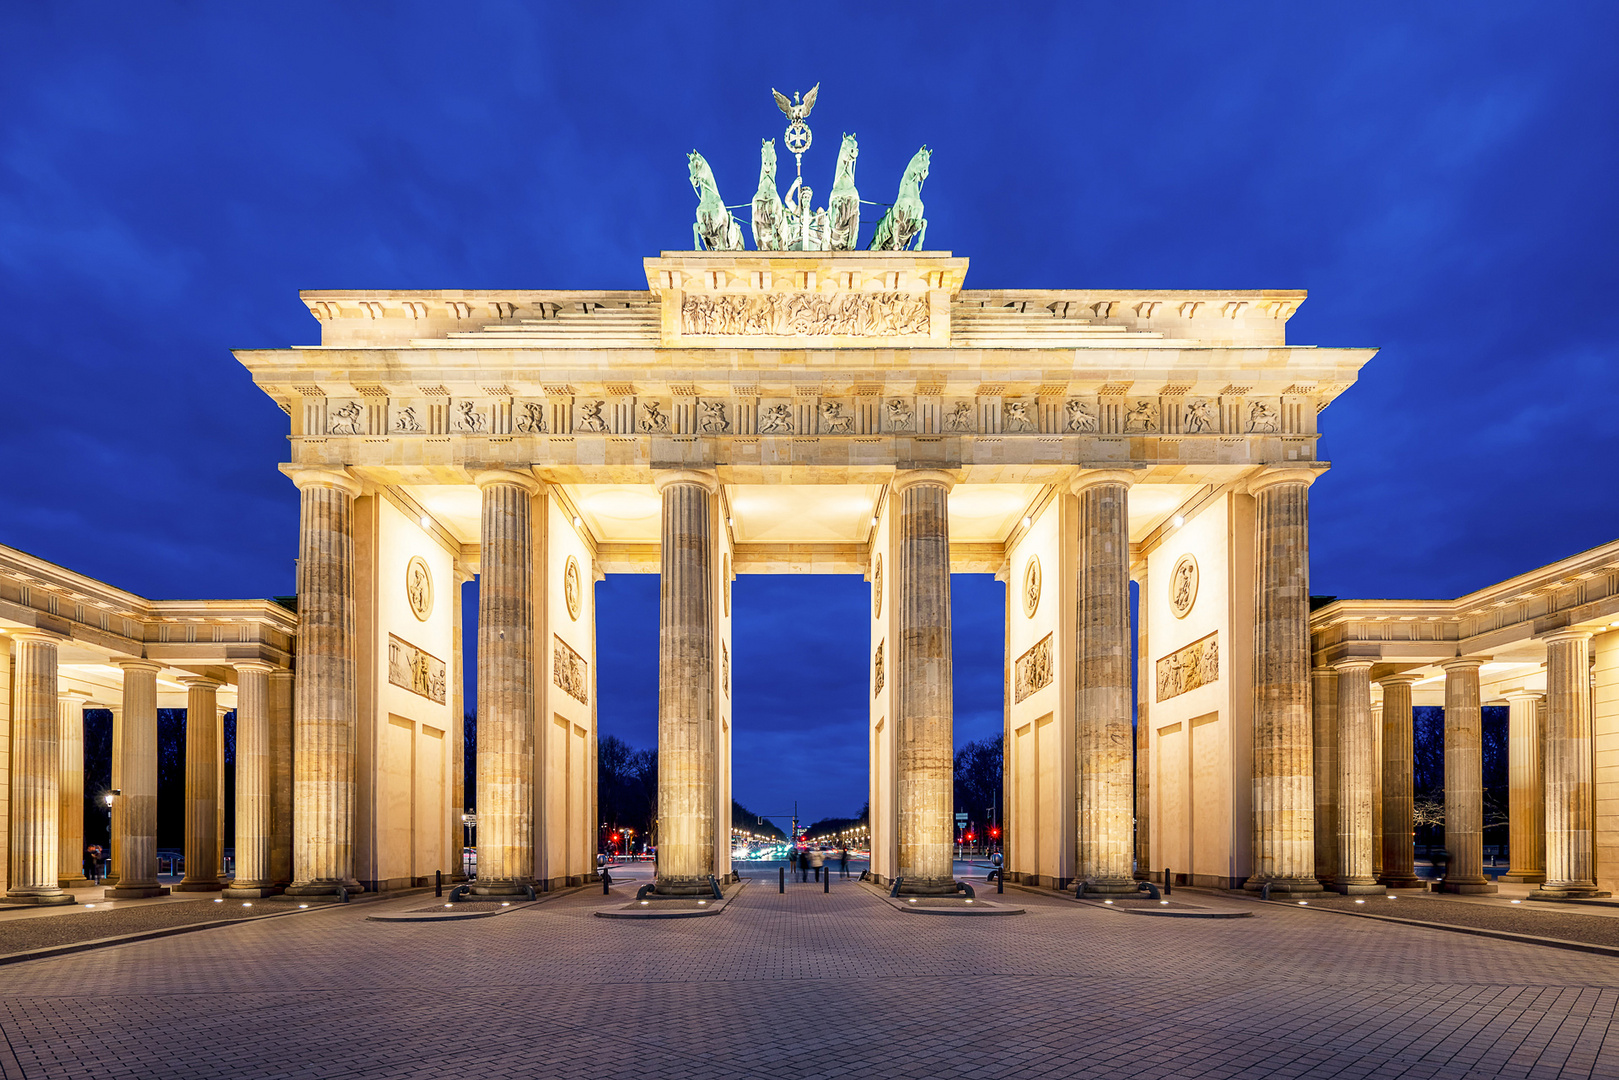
x=1102 y=707
x=1526 y=793
x=1143 y=733
x=252 y=780
x=1357 y=758
x=1284 y=770
x=923 y=708
x=506 y=684
x=1399 y=809
x=202 y=786
x=115 y=816
x=135 y=813
x=281 y=796
x=1377 y=789
x=36 y=764
x=1464 y=779
x=1324 y=719
x=70 y=846
x=1570 y=767
x=325 y=718
x=687 y=715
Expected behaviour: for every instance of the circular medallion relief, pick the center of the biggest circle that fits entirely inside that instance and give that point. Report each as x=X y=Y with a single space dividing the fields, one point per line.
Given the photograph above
x=1183 y=586
x=1031 y=586
x=877 y=588
x=570 y=586
x=419 y=587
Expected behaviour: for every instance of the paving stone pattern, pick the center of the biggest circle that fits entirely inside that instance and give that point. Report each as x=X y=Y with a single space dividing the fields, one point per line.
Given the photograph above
x=1535 y=919
x=813 y=985
x=71 y=927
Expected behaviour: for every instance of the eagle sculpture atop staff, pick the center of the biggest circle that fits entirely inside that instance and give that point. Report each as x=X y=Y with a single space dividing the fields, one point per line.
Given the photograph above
x=795 y=109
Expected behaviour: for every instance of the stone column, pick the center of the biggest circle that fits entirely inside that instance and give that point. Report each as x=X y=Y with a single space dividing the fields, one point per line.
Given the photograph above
x=1464 y=779
x=202 y=786
x=281 y=741
x=36 y=761
x=325 y=716
x=506 y=652
x=1399 y=811
x=1284 y=772
x=252 y=877
x=1526 y=794
x=1102 y=736
x=923 y=708
x=1570 y=768
x=1324 y=717
x=70 y=843
x=135 y=818
x=1357 y=759
x=1143 y=730
x=686 y=664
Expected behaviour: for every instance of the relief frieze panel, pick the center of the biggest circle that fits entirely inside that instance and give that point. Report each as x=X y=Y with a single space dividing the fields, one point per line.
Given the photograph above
x=569 y=671
x=1190 y=667
x=417 y=671
x=804 y=315
x=1034 y=669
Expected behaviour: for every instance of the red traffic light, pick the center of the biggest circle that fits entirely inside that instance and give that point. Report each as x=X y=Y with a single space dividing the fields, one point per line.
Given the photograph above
x=614 y=838
x=994 y=832
x=969 y=838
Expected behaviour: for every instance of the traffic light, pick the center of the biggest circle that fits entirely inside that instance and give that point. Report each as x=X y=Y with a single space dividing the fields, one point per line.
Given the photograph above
x=994 y=832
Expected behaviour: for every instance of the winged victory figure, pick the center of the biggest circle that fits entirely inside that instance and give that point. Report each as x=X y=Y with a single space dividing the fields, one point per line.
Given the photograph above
x=795 y=109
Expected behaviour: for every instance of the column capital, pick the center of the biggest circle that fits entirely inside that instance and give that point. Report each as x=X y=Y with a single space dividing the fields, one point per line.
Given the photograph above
x=1463 y=663
x=37 y=637
x=338 y=479
x=199 y=682
x=905 y=478
x=1524 y=695
x=1568 y=633
x=138 y=665
x=707 y=479
x=253 y=665
x=1089 y=478
x=488 y=477
x=1354 y=663
x=1279 y=475
x=1395 y=680
x=67 y=695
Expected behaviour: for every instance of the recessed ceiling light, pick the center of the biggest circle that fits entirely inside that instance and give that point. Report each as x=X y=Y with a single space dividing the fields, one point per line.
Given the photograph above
x=427 y=522
x=1177 y=521
x=576 y=521
x=1027 y=521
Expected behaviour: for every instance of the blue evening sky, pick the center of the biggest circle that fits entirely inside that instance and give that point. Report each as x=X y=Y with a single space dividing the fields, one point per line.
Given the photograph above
x=1439 y=176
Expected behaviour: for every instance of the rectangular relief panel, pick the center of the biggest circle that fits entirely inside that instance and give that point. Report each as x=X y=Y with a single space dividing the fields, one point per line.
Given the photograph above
x=1188 y=668
x=418 y=671
x=569 y=671
x=1034 y=668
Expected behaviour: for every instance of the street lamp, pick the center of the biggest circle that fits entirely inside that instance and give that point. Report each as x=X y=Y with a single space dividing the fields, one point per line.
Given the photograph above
x=109 y=798
x=469 y=821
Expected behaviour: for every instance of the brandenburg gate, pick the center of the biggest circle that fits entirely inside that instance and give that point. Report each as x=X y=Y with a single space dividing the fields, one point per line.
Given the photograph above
x=820 y=412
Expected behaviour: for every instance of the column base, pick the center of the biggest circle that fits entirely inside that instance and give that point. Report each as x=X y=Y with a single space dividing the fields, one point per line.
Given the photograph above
x=249 y=892
x=686 y=887
x=78 y=881
x=1467 y=888
x=136 y=892
x=328 y=890
x=205 y=885
x=39 y=899
x=930 y=887
x=1400 y=881
x=501 y=888
x=1285 y=886
x=1356 y=888
x=1112 y=887
x=1568 y=890
x=1522 y=877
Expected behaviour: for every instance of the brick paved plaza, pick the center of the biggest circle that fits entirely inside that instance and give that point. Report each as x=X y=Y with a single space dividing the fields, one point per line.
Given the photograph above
x=813 y=985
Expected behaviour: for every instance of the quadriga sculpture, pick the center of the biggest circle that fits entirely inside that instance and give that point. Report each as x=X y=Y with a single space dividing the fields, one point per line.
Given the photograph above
x=904 y=220
x=769 y=216
x=843 y=208
x=715 y=228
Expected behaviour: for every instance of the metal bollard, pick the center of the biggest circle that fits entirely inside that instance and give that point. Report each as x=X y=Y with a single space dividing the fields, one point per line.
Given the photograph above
x=438 y=883
x=781 y=879
x=1000 y=880
x=826 y=881
x=1168 y=885
x=607 y=879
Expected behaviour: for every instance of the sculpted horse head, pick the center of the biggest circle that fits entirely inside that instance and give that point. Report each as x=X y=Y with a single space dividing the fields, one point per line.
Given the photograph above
x=702 y=177
x=767 y=160
x=847 y=153
x=917 y=170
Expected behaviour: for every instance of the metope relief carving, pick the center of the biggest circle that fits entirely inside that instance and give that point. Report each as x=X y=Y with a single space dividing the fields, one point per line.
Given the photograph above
x=468 y=418
x=1034 y=668
x=1199 y=418
x=1262 y=419
x=590 y=417
x=959 y=418
x=531 y=419
x=653 y=420
x=1141 y=417
x=406 y=420
x=1080 y=417
x=1015 y=417
x=417 y=671
x=714 y=421
x=1198 y=664
x=776 y=420
x=569 y=671
x=345 y=419
x=900 y=415
x=834 y=421
x=805 y=315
